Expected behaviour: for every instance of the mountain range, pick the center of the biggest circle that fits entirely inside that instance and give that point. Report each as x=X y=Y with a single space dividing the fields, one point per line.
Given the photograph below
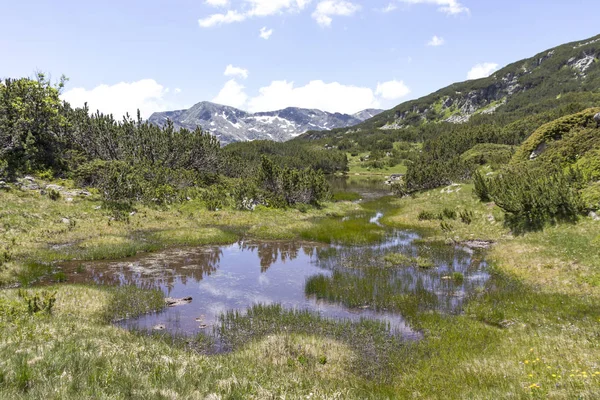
x=230 y=124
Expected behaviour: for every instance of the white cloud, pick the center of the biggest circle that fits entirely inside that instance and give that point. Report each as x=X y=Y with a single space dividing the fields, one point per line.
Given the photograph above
x=263 y=8
x=177 y=90
x=482 y=70
x=332 y=97
x=232 y=94
x=146 y=95
x=217 y=3
x=236 y=71
x=326 y=9
x=389 y=8
x=253 y=8
x=436 y=41
x=265 y=33
x=451 y=7
x=392 y=90
x=219 y=19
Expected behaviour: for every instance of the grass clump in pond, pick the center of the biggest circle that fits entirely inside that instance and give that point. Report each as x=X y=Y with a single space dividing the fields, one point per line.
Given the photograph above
x=377 y=289
x=399 y=259
x=345 y=196
x=351 y=231
x=130 y=301
x=371 y=340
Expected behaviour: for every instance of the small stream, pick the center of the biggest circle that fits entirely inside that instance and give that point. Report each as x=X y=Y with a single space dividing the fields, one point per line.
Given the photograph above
x=334 y=281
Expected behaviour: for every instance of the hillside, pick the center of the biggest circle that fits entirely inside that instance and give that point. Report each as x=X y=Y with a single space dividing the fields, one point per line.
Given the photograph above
x=528 y=86
x=230 y=124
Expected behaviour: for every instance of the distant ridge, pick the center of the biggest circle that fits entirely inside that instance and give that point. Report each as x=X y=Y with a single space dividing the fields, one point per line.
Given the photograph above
x=230 y=124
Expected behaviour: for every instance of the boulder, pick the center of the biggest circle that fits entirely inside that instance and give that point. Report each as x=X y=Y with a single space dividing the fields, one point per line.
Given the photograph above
x=597 y=119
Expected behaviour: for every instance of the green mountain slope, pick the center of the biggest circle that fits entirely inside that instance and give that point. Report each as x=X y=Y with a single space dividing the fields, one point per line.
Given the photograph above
x=562 y=75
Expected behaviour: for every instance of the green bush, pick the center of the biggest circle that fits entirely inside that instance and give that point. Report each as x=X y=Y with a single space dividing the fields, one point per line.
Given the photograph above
x=53 y=195
x=531 y=198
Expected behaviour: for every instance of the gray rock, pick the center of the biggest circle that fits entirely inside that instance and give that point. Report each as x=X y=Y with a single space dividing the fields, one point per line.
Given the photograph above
x=538 y=151
x=159 y=327
x=58 y=188
x=232 y=125
x=69 y=199
x=597 y=119
x=594 y=216
x=30 y=186
x=66 y=221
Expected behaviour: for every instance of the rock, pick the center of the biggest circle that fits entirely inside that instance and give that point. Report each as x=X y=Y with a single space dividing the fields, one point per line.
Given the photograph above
x=30 y=186
x=173 y=302
x=132 y=213
x=28 y=178
x=69 y=199
x=477 y=244
x=597 y=119
x=58 y=188
x=97 y=207
x=538 y=150
x=159 y=327
x=594 y=216
x=66 y=221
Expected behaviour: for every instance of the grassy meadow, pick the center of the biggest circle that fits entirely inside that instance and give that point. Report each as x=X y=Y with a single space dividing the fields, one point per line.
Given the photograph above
x=532 y=332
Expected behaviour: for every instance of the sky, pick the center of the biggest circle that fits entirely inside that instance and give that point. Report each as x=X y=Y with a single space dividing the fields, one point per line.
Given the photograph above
x=263 y=55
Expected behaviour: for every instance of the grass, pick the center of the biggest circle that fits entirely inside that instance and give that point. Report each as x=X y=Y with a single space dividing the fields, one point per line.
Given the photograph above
x=531 y=332
x=357 y=167
x=36 y=231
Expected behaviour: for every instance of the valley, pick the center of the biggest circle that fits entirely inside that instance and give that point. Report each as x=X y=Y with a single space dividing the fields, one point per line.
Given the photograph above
x=446 y=248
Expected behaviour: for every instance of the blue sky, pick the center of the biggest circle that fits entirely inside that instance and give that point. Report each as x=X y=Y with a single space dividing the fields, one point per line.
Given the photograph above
x=337 y=55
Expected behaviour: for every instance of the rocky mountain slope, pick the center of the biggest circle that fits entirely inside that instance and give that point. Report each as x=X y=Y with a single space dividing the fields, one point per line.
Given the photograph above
x=534 y=82
x=233 y=125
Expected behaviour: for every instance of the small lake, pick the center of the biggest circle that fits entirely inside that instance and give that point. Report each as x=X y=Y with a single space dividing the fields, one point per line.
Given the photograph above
x=336 y=282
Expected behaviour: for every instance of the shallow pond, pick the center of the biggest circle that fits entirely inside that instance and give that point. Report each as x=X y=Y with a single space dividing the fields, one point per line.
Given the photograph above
x=336 y=282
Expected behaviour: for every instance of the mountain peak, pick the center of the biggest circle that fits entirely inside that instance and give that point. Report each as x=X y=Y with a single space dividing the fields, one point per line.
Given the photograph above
x=230 y=124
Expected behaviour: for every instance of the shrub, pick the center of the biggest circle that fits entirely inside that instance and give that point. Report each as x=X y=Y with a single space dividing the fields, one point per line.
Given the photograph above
x=38 y=302
x=426 y=216
x=54 y=195
x=448 y=213
x=481 y=188
x=466 y=217
x=531 y=197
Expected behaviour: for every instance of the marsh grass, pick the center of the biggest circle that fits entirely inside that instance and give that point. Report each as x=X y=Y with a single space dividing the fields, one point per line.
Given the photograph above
x=531 y=332
x=375 y=348
x=345 y=196
x=349 y=231
x=37 y=231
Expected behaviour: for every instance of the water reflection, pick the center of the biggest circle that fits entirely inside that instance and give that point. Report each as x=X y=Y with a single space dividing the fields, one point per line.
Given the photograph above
x=339 y=282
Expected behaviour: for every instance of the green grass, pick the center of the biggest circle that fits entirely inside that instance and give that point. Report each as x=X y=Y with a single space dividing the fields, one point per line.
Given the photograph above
x=352 y=231
x=345 y=196
x=531 y=332
x=33 y=235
